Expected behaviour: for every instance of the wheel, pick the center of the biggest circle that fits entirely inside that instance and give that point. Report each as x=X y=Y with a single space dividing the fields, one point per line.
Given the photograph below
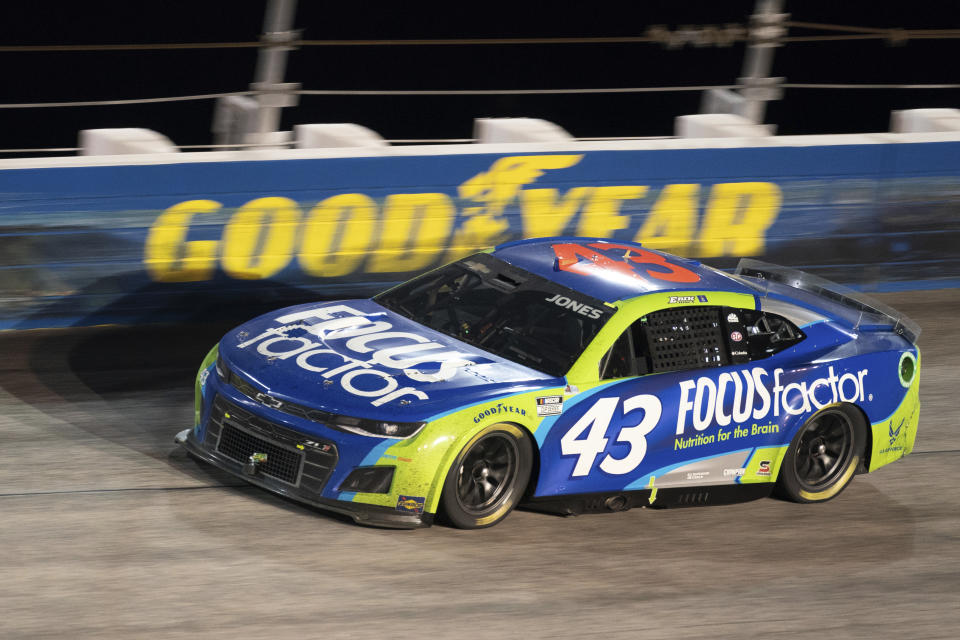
x=488 y=477
x=823 y=456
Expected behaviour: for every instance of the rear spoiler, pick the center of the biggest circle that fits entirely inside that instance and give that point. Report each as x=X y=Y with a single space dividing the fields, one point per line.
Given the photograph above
x=869 y=314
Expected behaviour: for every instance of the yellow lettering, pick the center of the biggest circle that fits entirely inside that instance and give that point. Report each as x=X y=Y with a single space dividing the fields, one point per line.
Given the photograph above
x=259 y=239
x=545 y=215
x=737 y=218
x=414 y=231
x=494 y=190
x=338 y=235
x=169 y=256
x=602 y=218
x=672 y=222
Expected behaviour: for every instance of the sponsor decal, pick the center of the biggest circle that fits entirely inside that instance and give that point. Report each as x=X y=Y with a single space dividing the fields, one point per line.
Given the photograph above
x=703 y=401
x=894 y=434
x=496 y=411
x=739 y=431
x=410 y=504
x=701 y=298
x=739 y=404
x=697 y=475
x=579 y=307
x=347 y=234
x=305 y=338
x=733 y=318
x=682 y=299
x=736 y=336
x=571 y=390
x=549 y=405
x=738 y=353
x=735 y=472
x=764 y=468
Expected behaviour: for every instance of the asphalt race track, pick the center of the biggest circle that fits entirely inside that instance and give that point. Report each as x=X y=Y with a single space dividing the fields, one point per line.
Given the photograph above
x=108 y=530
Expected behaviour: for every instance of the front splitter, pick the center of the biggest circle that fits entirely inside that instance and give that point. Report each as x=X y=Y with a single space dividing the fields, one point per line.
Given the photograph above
x=364 y=514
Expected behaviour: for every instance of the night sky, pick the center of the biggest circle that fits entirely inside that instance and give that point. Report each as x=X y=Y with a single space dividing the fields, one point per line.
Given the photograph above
x=54 y=77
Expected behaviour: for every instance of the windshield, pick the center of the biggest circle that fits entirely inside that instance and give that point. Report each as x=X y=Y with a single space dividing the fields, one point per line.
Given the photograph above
x=499 y=308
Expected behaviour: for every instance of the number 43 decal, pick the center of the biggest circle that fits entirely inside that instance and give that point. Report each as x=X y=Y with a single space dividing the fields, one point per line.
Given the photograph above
x=595 y=422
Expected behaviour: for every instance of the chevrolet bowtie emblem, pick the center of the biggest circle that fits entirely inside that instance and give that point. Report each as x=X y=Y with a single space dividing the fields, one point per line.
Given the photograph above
x=270 y=401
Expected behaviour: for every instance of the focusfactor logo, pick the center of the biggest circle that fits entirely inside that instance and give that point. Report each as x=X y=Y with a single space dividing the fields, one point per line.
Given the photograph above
x=306 y=336
x=749 y=394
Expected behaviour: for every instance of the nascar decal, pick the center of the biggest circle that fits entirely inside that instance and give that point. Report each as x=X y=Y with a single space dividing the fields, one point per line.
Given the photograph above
x=549 y=405
x=305 y=338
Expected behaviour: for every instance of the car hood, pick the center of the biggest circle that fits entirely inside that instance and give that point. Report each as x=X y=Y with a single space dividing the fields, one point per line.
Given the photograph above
x=355 y=357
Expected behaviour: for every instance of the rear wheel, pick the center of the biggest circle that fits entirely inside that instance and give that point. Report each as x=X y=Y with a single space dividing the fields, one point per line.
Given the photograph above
x=488 y=477
x=824 y=455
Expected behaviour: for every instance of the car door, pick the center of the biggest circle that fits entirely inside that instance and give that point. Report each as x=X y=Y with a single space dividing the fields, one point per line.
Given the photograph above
x=682 y=402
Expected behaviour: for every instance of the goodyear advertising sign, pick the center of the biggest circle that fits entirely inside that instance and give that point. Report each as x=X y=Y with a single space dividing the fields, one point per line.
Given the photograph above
x=193 y=240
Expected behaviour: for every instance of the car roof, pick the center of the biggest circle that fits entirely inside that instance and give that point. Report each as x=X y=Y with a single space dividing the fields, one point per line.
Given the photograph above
x=609 y=270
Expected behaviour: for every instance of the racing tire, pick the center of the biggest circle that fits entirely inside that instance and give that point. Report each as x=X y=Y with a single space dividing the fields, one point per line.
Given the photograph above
x=824 y=455
x=488 y=477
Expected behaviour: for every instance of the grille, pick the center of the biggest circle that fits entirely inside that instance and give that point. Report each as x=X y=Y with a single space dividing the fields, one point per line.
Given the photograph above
x=247 y=389
x=238 y=434
x=689 y=338
x=281 y=463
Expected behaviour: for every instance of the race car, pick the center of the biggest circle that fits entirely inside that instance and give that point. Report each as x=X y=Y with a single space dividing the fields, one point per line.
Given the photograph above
x=567 y=375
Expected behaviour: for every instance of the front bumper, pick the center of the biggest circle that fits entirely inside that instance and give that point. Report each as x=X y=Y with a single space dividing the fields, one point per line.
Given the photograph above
x=365 y=514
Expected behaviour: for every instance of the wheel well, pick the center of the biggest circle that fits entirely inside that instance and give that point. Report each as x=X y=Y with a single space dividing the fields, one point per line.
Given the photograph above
x=868 y=433
x=535 y=463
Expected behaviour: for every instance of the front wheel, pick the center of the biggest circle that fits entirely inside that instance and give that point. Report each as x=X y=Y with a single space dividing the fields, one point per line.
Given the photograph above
x=823 y=456
x=488 y=477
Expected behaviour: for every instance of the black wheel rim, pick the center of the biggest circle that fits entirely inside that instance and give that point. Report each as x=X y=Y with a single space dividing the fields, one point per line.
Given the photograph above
x=824 y=450
x=486 y=473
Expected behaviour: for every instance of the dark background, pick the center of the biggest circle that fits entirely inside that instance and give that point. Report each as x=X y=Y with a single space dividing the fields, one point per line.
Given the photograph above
x=67 y=76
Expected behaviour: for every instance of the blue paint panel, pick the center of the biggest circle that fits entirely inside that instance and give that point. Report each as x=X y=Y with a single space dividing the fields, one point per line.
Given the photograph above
x=781 y=394
x=73 y=240
x=320 y=368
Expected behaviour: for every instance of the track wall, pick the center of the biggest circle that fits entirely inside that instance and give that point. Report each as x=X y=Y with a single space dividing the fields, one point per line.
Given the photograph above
x=183 y=237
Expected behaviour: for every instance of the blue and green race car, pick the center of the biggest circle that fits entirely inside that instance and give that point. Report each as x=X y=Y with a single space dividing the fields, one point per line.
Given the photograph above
x=567 y=375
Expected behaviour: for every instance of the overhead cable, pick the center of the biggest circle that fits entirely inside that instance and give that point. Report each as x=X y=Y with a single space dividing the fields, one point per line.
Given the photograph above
x=502 y=92
x=826 y=85
x=655 y=35
x=105 y=103
x=469 y=92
